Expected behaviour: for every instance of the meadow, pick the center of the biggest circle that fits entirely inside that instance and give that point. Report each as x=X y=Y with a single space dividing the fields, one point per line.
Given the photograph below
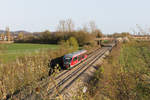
x=10 y=52
x=124 y=75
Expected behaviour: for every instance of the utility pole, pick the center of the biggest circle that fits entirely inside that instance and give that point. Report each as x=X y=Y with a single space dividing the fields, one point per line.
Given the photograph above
x=141 y=30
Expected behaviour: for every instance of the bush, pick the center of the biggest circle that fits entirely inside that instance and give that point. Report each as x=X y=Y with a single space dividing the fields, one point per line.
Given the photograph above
x=73 y=43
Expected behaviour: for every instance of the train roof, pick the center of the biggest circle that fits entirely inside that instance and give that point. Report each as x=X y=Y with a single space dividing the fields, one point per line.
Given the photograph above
x=75 y=53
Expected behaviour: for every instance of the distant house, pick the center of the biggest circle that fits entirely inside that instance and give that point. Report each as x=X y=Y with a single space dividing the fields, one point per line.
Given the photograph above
x=3 y=37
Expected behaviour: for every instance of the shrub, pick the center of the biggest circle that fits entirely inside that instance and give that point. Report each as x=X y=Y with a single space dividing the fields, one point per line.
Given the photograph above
x=73 y=43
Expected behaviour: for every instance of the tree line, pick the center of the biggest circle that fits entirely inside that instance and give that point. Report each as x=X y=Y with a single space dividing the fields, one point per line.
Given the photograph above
x=65 y=30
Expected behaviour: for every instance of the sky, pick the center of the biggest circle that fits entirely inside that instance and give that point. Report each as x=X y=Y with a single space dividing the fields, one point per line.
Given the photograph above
x=109 y=15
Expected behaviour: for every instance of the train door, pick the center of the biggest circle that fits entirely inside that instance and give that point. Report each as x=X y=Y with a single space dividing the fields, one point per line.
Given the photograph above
x=79 y=58
x=83 y=57
x=75 y=61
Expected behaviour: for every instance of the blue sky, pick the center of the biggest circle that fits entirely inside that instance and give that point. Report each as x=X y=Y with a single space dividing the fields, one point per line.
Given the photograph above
x=39 y=15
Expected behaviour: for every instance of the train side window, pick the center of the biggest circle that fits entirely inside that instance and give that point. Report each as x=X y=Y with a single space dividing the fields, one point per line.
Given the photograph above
x=83 y=56
x=80 y=57
x=75 y=58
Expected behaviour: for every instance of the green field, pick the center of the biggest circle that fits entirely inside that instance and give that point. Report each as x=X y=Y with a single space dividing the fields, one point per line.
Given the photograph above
x=9 y=52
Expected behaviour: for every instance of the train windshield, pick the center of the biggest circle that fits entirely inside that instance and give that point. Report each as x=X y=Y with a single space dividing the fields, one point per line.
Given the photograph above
x=67 y=60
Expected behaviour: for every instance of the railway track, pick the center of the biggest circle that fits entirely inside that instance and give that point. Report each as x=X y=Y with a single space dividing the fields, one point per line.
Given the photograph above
x=62 y=80
x=68 y=80
x=26 y=91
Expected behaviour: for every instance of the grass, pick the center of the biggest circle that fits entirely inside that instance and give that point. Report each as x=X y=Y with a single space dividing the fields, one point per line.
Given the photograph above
x=125 y=75
x=11 y=51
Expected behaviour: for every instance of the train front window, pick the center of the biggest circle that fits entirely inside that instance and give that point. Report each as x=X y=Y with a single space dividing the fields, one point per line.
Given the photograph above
x=67 y=60
x=75 y=58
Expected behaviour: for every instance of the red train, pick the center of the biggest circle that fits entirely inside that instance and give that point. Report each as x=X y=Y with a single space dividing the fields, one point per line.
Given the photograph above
x=74 y=58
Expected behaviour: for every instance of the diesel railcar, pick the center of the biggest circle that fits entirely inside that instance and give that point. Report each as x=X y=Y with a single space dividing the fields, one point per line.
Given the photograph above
x=72 y=59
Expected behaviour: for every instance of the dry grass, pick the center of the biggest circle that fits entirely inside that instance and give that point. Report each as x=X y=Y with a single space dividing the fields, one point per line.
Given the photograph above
x=124 y=75
x=27 y=70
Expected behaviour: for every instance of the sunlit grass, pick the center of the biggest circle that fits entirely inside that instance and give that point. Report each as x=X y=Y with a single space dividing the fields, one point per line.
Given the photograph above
x=11 y=51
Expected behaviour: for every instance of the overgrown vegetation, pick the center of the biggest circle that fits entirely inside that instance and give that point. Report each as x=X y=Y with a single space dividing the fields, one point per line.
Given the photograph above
x=25 y=70
x=30 y=68
x=125 y=74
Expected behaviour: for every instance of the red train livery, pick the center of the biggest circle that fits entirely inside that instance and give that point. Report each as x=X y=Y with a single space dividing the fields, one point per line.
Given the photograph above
x=74 y=58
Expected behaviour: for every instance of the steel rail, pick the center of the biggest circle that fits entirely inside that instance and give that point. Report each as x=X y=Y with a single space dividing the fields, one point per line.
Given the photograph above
x=16 y=95
x=74 y=69
x=73 y=74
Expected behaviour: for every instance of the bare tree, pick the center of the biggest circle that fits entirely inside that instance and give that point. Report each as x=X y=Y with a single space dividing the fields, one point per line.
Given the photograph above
x=69 y=25
x=93 y=26
x=94 y=30
x=65 y=26
x=98 y=33
x=142 y=31
x=2 y=36
x=85 y=28
x=61 y=26
x=8 y=34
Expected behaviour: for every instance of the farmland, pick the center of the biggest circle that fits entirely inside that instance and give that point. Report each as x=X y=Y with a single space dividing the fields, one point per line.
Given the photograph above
x=10 y=52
